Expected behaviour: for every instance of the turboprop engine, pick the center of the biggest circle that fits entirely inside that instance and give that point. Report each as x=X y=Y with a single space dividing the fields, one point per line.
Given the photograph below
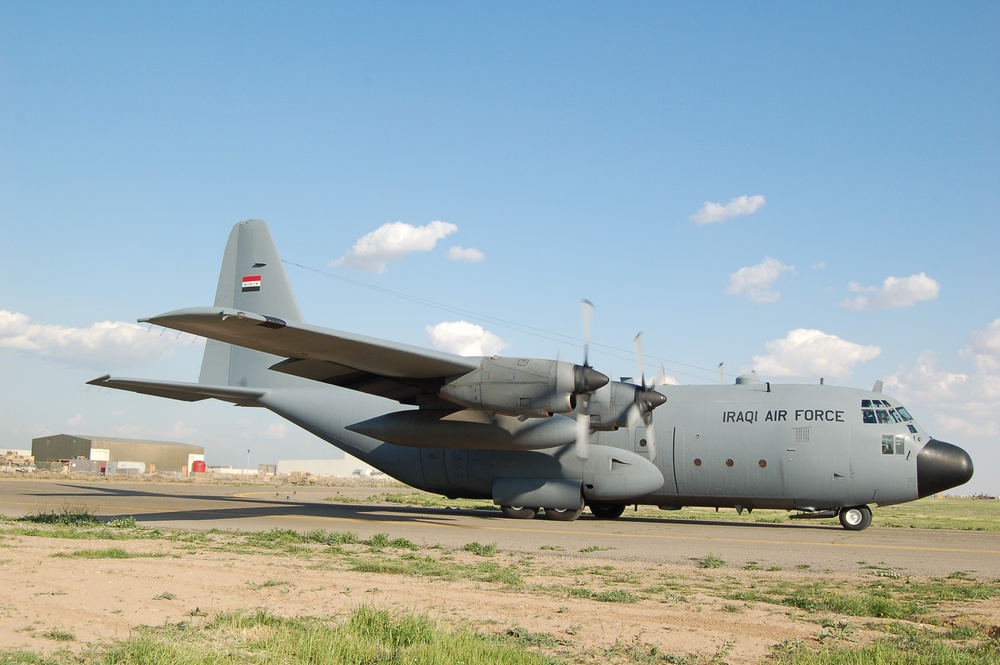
x=523 y=387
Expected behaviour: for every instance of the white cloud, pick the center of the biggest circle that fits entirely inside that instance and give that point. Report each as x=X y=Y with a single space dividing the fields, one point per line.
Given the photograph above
x=894 y=292
x=464 y=338
x=470 y=254
x=757 y=280
x=812 y=354
x=961 y=404
x=390 y=242
x=75 y=421
x=105 y=341
x=986 y=342
x=276 y=431
x=716 y=212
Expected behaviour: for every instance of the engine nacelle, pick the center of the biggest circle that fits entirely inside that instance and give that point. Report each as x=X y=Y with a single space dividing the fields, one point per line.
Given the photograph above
x=525 y=387
x=608 y=408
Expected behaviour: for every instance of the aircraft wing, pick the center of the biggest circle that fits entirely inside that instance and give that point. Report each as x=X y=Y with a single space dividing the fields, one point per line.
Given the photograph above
x=397 y=371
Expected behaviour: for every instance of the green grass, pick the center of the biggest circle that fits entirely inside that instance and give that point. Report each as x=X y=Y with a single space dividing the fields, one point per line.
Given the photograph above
x=910 y=650
x=710 y=561
x=888 y=598
x=368 y=635
x=66 y=516
x=107 y=553
x=610 y=596
x=481 y=550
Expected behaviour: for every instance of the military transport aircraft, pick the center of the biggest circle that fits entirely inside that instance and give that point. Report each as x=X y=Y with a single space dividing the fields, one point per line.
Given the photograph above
x=549 y=435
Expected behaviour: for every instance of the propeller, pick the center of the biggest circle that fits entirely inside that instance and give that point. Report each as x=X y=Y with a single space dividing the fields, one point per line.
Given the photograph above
x=646 y=399
x=586 y=381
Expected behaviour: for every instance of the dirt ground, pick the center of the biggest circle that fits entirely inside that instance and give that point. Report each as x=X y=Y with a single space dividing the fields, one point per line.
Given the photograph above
x=45 y=592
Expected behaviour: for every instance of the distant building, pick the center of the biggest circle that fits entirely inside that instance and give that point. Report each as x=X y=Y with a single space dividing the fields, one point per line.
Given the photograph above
x=338 y=468
x=154 y=456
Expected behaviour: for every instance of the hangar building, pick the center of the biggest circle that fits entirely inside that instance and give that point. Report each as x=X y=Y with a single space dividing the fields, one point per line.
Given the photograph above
x=164 y=456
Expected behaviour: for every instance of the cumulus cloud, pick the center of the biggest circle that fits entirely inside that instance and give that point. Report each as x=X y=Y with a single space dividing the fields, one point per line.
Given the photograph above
x=716 y=212
x=961 y=404
x=103 y=342
x=756 y=281
x=986 y=342
x=812 y=354
x=470 y=254
x=894 y=292
x=464 y=338
x=391 y=242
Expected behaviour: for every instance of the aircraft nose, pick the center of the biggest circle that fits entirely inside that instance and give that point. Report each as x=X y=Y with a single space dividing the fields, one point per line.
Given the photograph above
x=941 y=466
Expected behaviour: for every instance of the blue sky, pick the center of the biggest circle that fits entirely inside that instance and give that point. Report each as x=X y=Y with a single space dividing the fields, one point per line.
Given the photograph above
x=807 y=190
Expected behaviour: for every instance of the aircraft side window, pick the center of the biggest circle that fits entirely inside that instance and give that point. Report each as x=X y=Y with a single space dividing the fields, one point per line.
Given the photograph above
x=887 y=444
x=903 y=412
x=895 y=416
x=866 y=403
x=913 y=430
x=868 y=415
x=900 y=444
x=883 y=417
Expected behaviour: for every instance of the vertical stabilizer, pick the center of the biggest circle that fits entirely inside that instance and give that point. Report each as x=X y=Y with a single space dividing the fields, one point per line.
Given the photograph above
x=254 y=280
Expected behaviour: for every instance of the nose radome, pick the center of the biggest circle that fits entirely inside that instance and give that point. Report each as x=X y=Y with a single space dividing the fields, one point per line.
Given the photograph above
x=941 y=466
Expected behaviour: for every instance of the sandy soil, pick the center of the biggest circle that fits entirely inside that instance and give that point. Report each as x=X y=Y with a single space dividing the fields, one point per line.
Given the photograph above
x=97 y=600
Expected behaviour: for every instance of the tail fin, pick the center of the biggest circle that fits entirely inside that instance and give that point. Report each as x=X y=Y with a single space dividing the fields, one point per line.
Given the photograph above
x=254 y=280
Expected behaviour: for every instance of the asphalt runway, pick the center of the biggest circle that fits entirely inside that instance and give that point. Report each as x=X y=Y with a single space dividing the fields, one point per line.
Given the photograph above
x=660 y=540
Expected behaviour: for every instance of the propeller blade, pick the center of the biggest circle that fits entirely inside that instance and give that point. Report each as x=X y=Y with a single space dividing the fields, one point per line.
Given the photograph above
x=650 y=435
x=582 y=435
x=632 y=417
x=638 y=358
x=588 y=322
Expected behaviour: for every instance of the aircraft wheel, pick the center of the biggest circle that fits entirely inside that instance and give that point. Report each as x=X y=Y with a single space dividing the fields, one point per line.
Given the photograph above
x=518 y=512
x=856 y=518
x=563 y=514
x=607 y=511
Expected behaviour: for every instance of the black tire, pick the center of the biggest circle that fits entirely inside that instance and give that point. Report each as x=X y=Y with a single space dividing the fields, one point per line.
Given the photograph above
x=563 y=514
x=856 y=518
x=607 y=511
x=518 y=512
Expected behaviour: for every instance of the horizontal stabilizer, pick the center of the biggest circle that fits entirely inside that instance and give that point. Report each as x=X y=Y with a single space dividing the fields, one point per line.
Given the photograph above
x=188 y=392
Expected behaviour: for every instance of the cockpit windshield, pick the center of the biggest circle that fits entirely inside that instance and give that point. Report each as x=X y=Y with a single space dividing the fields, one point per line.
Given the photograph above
x=881 y=411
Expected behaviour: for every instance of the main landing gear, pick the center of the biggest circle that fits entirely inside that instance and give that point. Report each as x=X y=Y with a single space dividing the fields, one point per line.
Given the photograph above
x=602 y=511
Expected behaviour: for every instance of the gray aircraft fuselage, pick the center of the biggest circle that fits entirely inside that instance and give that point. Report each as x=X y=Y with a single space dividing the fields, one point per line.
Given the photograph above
x=536 y=434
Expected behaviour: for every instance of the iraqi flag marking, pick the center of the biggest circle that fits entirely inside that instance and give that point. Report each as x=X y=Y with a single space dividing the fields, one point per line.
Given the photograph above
x=251 y=283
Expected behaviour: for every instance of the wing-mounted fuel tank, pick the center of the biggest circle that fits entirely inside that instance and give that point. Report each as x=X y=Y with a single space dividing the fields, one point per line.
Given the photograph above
x=467 y=428
x=524 y=387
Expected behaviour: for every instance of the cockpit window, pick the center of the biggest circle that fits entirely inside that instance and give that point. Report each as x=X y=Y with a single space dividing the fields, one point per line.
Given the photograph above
x=893 y=444
x=881 y=411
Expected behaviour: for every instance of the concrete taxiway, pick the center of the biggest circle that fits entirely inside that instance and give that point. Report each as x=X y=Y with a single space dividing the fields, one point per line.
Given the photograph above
x=255 y=508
